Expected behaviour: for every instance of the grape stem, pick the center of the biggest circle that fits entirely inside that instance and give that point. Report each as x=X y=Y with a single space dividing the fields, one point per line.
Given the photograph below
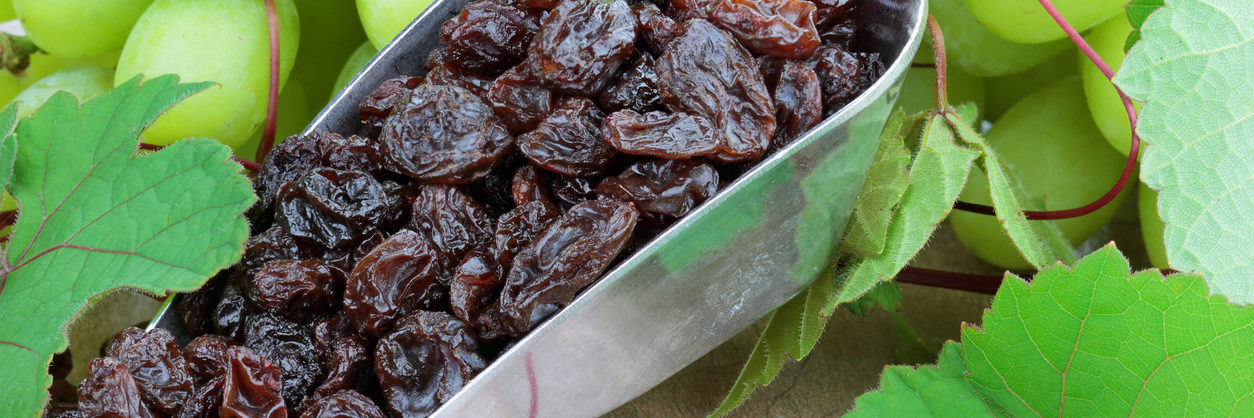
x=1128 y=169
x=938 y=51
x=272 y=102
x=15 y=52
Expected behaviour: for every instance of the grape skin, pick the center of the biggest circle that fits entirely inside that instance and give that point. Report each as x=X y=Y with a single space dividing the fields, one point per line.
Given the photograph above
x=84 y=83
x=973 y=48
x=1108 y=40
x=919 y=91
x=1152 y=226
x=1004 y=92
x=1026 y=22
x=353 y=65
x=384 y=19
x=78 y=28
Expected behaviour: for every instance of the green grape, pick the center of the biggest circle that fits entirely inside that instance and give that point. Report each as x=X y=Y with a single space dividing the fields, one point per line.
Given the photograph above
x=1108 y=40
x=1026 y=22
x=78 y=28
x=918 y=93
x=384 y=19
x=970 y=46
x=1004 y=92
x=6 y=11
x=322 y=23
x=295 y=113
x=85 y=83
x=43 y=64
x=1152 y=226
x=1049 y=143
x=353 y=65
x=225 y=41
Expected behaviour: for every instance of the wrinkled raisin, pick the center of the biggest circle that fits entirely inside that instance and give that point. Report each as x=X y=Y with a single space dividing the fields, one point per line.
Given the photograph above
x=571 y=191
x=347 y=363
x=398 y=277
x=429 y=357
x=520 y=101
x=839 y=32
x=475 y=283
x=298 y=289
x=780 y=28
x=518 y=227
x=798 y=102
x=452 y=221
x=654 y=28
x=829 y=11
x=659 y=134
x=581 y=44
x=334 y=208
x=488 y=37
x=342 y=260
x=706 y=72
x=230 y=314
x=290 y=347
x=157 y=365
x=634 y=88
x=450 y=75
x=207 y=399
x=253 y=386
x=381 y=102
x=343 y=404
x=326 y=331
x=568 y=141
x=562 y=260
x=444 y=134
x=840 y=75
x=206 y=357
x=530 y=185
x=273 y=244
x=110 y=391
x=288 y=161
x=663 y=190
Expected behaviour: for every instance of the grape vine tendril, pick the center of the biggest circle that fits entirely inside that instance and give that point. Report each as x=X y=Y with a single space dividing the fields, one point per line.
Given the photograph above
x=272 y=102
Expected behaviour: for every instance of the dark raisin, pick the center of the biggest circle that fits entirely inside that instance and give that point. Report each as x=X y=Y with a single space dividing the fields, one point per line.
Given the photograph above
x=110 y=391
x=530 y=185
x=253 y=386
x=654 y=28
x=581 y=44
x=290 y=346
x=157 y=365
x=562 y=260
x=474 y=285
x=288 y=161
x=398 y=277
x=798 y=102
x=830 y=11
x=488 y=37
x=381 y=102
x=518 y=227
x=343 y=404
x=706 y=72
x=273 y=244
x=333 y=208
x=780 y=28
x=206 y=357
x=518 y=100
x=664 y=135
x=195 y=309
x=298 y=289
x=342 y=260
x=206 y=401
x=494 y=190
x=571 y=191
x=450 y=75
x=429 y=357
x=840 y=75
x=444 y=134
x=229 y=316
x=663 y=190
x=568 y=141
x=839 y=32
x=348 y=363
x=634 y=88
x=454 y=222
x=326 y=331
x=354 y=153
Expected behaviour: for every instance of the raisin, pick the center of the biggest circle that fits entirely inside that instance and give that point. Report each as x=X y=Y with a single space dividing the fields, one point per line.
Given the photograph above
x=381 y=102
x=207 y=399
x=541 y=4
x=518 y=227
x=571 y=191
x=273 y=244
x=253 y=386
x=779 y=28
x=659 y=134
x=450 y=75
x=706 y=72
x=634 y=88
x=229 y=316
x=444 y=134
x=662 y=190
x=494 y=191
x=839 y=32
x=195 y=309
x=798 y=102
x=436 y=58
x=840 y=75
x=518 y=100
x=452 y=221
x=581 y=44
x=290 y=347
x=110 y=391
x=333 y=208
x=562 y=260
x=488 y=37
x=530 y=185
x=288 y=161
x=347 y=363
x=398 y=277
x=568 y=141
x=206 y=357
x=654 y=28
x=474 y=285
x=342 y=260
x=157 y=365
x=354 y=153
x=299 y=289
x=326 y=331
x=429 y=357
x=830 y=11
x=343 y=404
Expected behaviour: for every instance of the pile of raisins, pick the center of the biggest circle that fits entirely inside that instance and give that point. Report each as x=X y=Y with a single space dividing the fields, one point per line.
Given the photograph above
x=547 y=140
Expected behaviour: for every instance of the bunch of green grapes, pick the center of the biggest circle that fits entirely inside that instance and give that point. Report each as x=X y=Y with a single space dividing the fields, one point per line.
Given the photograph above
x=1047 y=110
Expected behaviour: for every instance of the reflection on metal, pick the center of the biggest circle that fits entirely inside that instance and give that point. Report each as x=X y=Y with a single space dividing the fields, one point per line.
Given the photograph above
x=731 y=261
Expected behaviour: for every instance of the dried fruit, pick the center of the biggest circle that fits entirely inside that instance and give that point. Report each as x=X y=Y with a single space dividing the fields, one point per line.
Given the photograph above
x=840 y=75
x=444 y=134
x=518 y=227
x=449 y=75
x=568 y=141
x=662 y=190
x=634 y=88
x=333 y=208
x=157 y=366
x=429 y=357
x=519 y=100
x=343 y=404
x=779 y=28
x=474 y=285
x=381 y=102
x=253 y=386
x=298 y=289
x=664 y=135
x=530 y=185
x=452 y=221
x=206 y=357
x=290 y=347
x=398 y=277
x=488 y=37
x=581 y=44
x=653 y=27
x=798 y=102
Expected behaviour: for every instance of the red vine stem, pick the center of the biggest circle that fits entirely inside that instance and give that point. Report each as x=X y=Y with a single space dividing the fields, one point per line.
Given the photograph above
x=1128 y=168
x=942 y=69
x=272 y=103
x=977 y=283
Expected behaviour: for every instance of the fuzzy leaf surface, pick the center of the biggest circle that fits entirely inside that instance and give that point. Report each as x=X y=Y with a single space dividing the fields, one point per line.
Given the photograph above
x=885 y=183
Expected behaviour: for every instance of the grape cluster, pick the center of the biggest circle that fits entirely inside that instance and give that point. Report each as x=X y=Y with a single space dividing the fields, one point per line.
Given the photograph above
x=546 y=141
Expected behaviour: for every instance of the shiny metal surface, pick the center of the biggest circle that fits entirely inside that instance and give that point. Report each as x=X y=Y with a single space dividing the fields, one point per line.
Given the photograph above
x=731 y=261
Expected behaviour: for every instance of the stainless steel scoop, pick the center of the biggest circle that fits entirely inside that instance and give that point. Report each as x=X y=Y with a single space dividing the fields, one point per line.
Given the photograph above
x=729 y=262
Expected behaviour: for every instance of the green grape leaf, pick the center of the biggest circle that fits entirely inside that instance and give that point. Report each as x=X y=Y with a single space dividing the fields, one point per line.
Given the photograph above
x=933 y=390
x=1138 y=11
x=937 y=175
x=8 y=143
x=885 y=183
x=886 y=295
x=1041 y=242
x=1195 y=82
x=95 y=216
x=792 y=332
x=1096 y=340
